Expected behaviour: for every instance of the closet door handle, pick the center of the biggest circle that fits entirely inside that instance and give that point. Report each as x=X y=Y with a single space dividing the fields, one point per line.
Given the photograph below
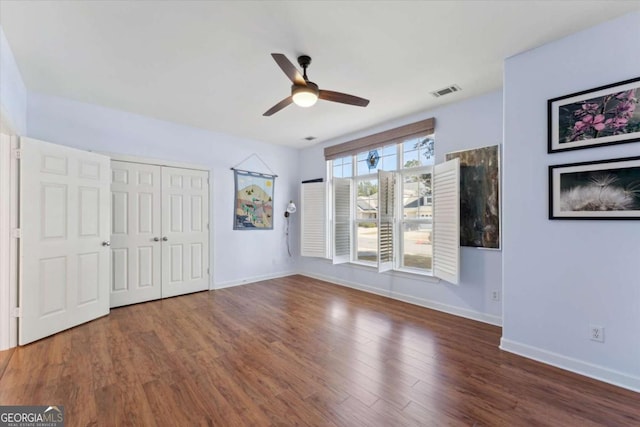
x=106 y=243
x=165 y=238
x=156 y=239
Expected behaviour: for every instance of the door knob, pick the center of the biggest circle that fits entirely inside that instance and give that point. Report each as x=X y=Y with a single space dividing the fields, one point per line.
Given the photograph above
x=165 y=238
x=106 y=243
x=156 y=239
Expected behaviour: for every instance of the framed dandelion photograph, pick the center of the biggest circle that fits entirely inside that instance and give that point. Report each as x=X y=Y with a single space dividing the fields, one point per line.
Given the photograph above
x=601 y=116
x=604 y=189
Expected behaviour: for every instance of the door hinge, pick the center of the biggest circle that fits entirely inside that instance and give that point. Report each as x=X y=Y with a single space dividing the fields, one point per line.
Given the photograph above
x=17 y=312
x=16 y=154
x=16 y=233
x=208 y=272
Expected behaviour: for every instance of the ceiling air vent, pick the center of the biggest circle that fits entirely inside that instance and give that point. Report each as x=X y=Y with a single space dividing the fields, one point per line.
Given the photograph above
x=309 y=138
x=445 y=91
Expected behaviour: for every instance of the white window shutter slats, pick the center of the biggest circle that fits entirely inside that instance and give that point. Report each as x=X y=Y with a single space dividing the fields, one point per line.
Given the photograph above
x=386 y=220
x=446 y=221
x=313 y=220
x=342 y=230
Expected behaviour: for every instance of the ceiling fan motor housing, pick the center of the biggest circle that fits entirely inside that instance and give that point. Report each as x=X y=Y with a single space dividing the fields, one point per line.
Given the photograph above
x=304 y=61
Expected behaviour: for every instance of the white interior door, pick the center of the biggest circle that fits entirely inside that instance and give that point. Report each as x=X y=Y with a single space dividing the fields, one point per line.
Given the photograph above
x=135 y=233
x=64 y=218
x=185 y=231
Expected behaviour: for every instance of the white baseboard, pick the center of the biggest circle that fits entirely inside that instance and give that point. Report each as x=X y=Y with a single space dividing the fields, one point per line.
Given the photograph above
x=253 y=279
x=577 y=366
x=422 y=302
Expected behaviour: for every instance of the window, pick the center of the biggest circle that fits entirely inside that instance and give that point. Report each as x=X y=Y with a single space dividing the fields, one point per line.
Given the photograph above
x=410 y=163
x=392 y=208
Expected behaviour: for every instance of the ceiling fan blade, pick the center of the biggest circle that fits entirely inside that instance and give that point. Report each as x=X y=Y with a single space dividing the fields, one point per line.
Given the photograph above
x=329 y=95
x=289 y=69
x=279 y=106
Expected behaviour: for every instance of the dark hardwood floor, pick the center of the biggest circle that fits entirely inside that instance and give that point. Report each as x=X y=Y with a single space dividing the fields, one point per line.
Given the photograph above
x=298 y=351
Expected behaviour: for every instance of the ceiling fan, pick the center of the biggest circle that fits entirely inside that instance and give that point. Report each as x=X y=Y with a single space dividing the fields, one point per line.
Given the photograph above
x=305 y=93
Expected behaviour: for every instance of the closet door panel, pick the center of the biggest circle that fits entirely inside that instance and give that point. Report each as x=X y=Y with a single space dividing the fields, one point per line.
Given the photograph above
x=136 y=233
x=185 y=225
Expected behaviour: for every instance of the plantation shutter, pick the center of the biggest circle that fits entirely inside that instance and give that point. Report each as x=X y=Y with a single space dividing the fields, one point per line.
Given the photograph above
x=313 y=220
x=446 y=221
x=386 y=220
x=342 y=196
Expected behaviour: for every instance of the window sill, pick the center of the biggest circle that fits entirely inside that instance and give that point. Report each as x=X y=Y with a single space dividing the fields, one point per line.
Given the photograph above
x=404 y=273
x=426 y=276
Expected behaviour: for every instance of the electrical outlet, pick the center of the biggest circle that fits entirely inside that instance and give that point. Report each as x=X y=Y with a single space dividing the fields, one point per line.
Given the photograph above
x=596 y=333
x=495 y=295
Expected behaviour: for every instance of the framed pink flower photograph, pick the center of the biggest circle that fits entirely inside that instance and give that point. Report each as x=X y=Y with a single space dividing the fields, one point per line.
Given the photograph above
x=601 y=116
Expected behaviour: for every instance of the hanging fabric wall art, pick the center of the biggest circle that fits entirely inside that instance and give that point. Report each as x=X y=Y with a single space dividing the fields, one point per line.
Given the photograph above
x=253 y=201
x=253 y=197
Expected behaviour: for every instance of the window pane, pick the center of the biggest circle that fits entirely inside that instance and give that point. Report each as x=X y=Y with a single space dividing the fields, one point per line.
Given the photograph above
x=390 y=162
x=418 y=151
x=417 y=248
x=389 y=150
x=416 y=196
x=367 y=241
x=363 y=168
x=347 y=168
x=342 y=167
x=411 y=159
x=367 y=199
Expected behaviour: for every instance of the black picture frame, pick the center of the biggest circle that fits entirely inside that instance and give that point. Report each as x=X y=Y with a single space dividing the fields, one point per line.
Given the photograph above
x=595 y=190
x=596 y=117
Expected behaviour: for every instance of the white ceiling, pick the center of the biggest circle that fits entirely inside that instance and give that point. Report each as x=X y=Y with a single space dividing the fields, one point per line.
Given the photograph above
x=208 y=64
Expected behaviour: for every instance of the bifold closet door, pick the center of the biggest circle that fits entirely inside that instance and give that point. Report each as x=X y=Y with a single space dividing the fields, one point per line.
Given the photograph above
x=160 y=232
x=136 y=240
x=185 y=231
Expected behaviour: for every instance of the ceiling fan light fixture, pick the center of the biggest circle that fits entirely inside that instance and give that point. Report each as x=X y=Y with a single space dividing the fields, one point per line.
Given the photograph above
x=305 y=93
x=304 y=96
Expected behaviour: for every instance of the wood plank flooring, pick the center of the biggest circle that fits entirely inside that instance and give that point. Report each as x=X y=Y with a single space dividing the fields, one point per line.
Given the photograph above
x=298 y=351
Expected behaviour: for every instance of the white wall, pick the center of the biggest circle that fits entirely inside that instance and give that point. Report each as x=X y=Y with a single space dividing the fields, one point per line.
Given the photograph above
x=561 y=276
x=13 y=94
x=463 y=125
x=236 y=256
